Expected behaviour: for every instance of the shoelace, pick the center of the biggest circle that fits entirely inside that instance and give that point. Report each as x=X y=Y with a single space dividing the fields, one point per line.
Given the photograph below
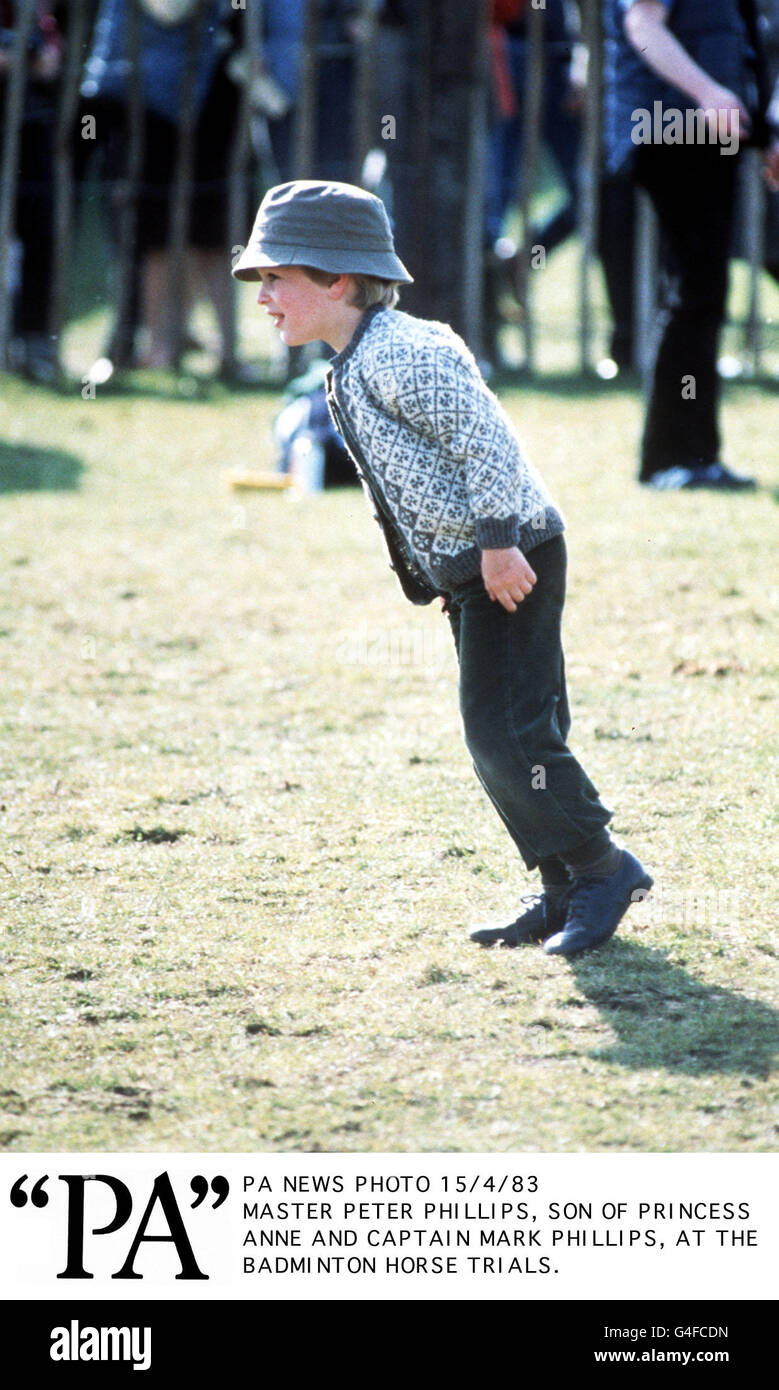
x=584 y=888
x=545 y=903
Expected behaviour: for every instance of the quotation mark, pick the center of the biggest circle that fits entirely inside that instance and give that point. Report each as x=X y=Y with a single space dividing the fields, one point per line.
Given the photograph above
x=38 y=1197
x=200 y=1187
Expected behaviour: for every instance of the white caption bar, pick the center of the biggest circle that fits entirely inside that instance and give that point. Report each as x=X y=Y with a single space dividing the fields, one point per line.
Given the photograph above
x=388 y=1226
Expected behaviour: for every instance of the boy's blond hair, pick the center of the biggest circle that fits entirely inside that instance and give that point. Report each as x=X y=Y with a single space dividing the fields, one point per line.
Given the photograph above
x=368 y=289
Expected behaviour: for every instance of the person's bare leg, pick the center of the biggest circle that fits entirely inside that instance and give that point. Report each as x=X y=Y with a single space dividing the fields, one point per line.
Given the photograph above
x=218 y=287
x=156 y=310
x=157 y=316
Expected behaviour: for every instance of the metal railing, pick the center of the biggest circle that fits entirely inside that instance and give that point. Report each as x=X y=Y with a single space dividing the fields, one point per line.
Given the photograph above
x=243 y=173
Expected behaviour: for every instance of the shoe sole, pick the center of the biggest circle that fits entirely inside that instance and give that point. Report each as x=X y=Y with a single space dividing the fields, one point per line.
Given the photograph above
x=509 y=936
x=501 y=936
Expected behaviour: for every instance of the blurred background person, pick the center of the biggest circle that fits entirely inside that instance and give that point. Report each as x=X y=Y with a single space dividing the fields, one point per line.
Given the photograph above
x=768 y=11
x=32 y=350
x=164 y=34
x=560 y=134
x=564 y=84
x=283 y=23
x=560 y=126
x=669 y=59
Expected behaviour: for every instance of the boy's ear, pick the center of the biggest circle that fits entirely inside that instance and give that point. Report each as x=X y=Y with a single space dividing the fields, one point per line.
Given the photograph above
x=339 y=286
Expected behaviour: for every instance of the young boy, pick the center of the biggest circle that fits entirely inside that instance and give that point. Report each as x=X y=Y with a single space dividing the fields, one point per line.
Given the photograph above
x=466 y=519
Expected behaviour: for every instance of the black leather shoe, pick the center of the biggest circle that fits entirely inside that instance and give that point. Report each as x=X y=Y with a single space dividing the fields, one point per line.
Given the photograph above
x=545 y=917
x=596 y=906
x=712 y=475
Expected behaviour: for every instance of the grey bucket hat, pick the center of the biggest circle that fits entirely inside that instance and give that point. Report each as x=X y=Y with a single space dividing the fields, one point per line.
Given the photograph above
x=328 y=226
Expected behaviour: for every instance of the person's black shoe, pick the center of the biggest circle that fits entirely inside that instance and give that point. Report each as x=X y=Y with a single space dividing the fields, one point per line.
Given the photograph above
x=717 y=475
x=710 y=475
x=596 y=906
x=34 y=355
x=543 y=918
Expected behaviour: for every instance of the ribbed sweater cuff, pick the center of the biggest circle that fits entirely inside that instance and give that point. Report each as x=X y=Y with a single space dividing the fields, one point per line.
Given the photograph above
x=497 y=533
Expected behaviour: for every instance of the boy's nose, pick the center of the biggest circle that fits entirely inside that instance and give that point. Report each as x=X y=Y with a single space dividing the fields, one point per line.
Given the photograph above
x=262 y=294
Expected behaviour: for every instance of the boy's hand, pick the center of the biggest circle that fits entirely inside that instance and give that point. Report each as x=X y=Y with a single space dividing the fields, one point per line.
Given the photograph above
x=726 y=115
x=771 y=165
x=507 y=576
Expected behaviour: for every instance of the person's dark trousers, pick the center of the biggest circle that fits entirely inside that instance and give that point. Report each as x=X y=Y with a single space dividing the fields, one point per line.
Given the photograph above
x=561 y=131
x=616 y=248
x=515 y=712
x=692 y=189
x=35 y=224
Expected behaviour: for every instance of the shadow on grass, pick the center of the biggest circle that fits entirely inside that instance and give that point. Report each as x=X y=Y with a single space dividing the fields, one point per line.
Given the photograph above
x=157 y=385
x=571 y=384
x=665 y=1018
x=584 y=385
x=185 y=388
x=31 y=468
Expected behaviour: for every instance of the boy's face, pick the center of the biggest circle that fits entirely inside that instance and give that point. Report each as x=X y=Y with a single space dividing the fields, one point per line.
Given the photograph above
x=301 y=310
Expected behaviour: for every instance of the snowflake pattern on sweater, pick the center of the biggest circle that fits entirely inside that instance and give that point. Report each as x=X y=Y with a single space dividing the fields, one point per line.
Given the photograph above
x=435 y=448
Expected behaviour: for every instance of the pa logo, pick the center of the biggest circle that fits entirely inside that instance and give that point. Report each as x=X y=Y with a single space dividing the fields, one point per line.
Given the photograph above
x=161 y=1205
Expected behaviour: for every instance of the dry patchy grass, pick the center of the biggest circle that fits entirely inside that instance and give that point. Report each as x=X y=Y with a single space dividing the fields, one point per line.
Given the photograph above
x=242 y=842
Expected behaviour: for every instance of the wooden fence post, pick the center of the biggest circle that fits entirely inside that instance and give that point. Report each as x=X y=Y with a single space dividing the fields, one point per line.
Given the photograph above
x=645 y=285
x=364 y=88
x=126 y=194
x=63 y=166
x=237 y=212
x=753 y=213
x=589 y=174
x=447 y=213
x=305 y=115
x=14 y=110
x=532 y=108
x=181 y=198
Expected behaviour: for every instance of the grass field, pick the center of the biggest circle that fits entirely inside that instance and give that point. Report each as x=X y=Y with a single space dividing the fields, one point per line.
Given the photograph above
x=242 y=842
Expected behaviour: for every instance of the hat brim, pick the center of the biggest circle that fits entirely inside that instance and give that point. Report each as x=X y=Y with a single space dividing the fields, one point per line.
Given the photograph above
x=385 y=265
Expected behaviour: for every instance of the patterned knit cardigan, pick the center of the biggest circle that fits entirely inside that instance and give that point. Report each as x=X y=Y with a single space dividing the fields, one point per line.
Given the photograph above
x=435 y=450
